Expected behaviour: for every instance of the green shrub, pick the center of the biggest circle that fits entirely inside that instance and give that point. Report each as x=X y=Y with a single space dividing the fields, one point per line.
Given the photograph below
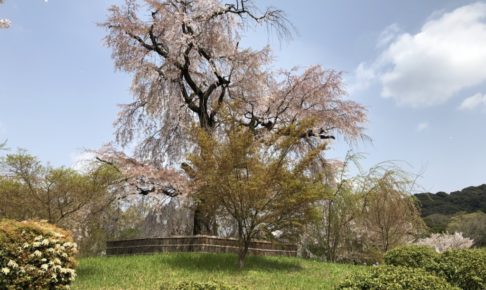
x=395 y=278
x=412 y=256
x=35 y=255
x=463 y=268
x=192 y=285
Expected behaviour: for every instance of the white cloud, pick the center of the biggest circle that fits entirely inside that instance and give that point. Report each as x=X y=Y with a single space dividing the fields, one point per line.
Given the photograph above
x=81 y=160
x=388 y=35
x=422 y=126
x=473 y=102
x=364 y=76
x=428 y=68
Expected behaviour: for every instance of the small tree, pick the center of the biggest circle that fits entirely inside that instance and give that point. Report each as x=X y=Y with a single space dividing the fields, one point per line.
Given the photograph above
x=55 y=194
x=390 y=215
x=65 y=197
x=328 y=235
x=437 y=222
x=256 y=182
x=472 y=225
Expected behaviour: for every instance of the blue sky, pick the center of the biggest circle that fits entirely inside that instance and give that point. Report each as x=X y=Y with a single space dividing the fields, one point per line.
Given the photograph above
x=418 y=66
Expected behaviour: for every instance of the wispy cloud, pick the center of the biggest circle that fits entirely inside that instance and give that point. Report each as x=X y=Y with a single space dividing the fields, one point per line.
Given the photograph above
x=473 y=102
x=430 y=67
x=422 y=126
x=388 y=35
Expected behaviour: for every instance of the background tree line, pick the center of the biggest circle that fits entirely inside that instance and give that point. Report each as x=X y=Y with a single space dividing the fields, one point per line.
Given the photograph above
x=89 y=203
x=459 y=211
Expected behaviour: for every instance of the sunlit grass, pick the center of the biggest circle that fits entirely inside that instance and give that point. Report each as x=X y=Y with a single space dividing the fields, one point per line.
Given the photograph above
x=152 y=271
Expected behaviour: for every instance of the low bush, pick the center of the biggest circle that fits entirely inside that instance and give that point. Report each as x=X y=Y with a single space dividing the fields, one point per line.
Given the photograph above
x=395 y=278
x=463 y=268
x=35 y=255
x=412 y=256
x=192 y=285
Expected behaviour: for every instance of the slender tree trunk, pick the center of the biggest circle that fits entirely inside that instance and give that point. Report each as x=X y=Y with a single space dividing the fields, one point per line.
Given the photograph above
x=242 y=254
x=244 y=243
x=329 y=231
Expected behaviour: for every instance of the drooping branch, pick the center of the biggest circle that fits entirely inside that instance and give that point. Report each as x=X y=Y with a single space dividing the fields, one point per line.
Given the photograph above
x=144 y=179
x=274 y=18
x=188 y=67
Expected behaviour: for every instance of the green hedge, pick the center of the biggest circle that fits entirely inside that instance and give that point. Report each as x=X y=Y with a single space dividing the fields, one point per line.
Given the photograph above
x=395 y=278
x=412 y=256
x=35 y=255
x=463 y=268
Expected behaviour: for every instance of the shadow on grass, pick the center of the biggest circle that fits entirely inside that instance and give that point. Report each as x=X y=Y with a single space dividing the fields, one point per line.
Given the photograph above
x=228 y=263
x=85 y=271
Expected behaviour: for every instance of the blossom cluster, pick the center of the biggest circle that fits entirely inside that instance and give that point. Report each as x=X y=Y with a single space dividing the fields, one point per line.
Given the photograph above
x=446 y=241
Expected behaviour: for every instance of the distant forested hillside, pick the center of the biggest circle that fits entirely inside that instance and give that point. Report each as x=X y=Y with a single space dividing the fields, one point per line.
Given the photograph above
x=470 y=199
x=460 y=211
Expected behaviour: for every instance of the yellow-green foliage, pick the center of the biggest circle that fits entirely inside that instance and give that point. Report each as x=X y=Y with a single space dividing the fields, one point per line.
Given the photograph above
x=412 y=256
x=35 y=255
x=464 y=268
x=395 y=278
x=257 y=182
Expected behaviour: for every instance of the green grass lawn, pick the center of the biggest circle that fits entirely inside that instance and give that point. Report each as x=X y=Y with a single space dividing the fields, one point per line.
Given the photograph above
x=152 y=271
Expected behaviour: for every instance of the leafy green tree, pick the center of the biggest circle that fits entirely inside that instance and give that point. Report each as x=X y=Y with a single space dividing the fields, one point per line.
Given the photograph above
x=469 y=199
x=62 y=196
x=29 y=189
x=437 y=222
x=365 y=215
x=472 y=225
x=327 y=236
x=257 y=182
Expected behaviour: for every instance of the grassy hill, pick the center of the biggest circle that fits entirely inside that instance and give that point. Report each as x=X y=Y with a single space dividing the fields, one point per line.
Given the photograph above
x=152 y=271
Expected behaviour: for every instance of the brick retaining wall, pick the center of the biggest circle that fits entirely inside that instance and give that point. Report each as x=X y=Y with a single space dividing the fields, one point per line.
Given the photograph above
x=208 y=244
